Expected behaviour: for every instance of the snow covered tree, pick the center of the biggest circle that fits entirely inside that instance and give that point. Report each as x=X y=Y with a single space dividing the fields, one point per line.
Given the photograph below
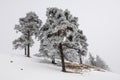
x=100 y=63
x=97 y=61
x=21 y=43
x=54 y=34
x=81 y=41
x=58 y=36
x=91 y=60
x=28 y=26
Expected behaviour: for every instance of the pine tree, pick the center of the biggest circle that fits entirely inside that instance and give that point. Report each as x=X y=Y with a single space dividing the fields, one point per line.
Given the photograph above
x=28 y=26
x=58 y=36
x=91 y=60
x=21 y=43
x=81 y=41
x=97 y=61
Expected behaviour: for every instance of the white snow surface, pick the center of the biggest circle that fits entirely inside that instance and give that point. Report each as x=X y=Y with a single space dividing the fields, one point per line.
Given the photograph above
x=38 y=69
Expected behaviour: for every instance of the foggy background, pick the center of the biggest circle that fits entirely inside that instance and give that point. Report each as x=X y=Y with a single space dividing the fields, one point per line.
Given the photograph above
x=99 y=20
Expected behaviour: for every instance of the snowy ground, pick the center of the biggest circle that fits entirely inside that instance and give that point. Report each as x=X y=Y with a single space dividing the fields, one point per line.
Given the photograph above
x=23 y=68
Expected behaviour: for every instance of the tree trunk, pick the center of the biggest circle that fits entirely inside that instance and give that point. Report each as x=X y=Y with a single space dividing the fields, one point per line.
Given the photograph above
x=80 y=58
x=28 y=51
x=25 y=51
x=53 y=59
x=62 y=57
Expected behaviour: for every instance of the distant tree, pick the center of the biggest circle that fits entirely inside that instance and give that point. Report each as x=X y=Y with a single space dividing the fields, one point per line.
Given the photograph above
x=91 y=60
x=28 y=26
x=100 y=63
x=97 y=61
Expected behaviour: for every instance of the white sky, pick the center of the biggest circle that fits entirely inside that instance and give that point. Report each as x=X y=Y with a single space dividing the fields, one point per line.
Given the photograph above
x=99 y=19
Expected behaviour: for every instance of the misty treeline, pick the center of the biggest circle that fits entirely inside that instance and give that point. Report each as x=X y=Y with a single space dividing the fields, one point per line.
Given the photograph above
x=96 y=61
x=59 y=37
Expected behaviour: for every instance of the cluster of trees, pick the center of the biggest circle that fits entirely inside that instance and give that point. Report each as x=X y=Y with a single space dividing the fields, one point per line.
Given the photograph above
x=97 y=61
x=59 y=36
